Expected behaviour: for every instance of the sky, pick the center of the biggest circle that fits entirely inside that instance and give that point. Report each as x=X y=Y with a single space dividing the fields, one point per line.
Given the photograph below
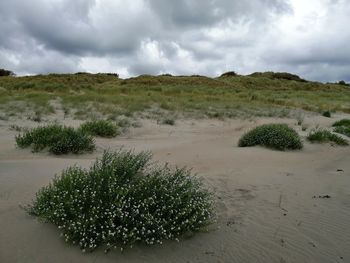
x=183 y=37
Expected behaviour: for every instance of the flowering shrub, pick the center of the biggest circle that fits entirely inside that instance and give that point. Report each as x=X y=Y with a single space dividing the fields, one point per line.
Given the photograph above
x=100 y=128
x=122 y=200
x=326 y=136
x=276 y=136
x=58 y=139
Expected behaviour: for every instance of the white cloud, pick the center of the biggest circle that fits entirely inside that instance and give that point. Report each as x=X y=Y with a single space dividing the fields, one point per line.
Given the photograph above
x=206 y=37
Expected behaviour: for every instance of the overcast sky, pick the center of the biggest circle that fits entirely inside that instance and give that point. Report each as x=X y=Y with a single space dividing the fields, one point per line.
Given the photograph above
x=208 y=37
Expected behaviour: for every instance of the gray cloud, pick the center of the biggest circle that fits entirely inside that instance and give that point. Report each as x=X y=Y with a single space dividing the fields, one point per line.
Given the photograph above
x=180 y=37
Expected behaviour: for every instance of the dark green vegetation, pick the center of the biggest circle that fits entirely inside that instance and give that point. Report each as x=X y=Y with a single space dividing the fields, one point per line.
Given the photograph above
x=343 y=122
x=4 y=72
x=323 y=136
x=260 y=94
x=100 y=128
x=58 y=139
x=122 y=200
x=342 y=127
x=326 y=114
x=168 y=121
x=275 y=136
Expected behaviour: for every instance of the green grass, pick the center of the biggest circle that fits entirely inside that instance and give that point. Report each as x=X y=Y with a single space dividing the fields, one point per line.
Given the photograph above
x=275 y=136
x=122 y=200
x=101 y=128
x=225 y=97
x=342 y=127
x=343 y=122
x=345 y=130
x=56 y=138
x=323 y=136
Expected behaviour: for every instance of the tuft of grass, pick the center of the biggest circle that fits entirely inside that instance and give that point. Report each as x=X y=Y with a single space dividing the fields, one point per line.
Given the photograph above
x=326 y=114
x=122 y=200
x=100 y=128
x=275 y=136
x=58 y=139
x=343 y=122
x=345 y=130
x=323 y=136
x=168 y=121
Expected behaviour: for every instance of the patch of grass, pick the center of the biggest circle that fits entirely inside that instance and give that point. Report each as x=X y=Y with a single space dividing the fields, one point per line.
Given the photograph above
x=102 y=95
x=323 y=136
x=122 y=200
x=168 y=121
x=275 y=136
x=343 y=122
x=100 y=128
x=58 y=139
x=326 y=114
x=345 y=130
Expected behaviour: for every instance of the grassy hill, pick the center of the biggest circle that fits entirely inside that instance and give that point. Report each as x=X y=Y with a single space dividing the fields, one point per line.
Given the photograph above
x=231 y=95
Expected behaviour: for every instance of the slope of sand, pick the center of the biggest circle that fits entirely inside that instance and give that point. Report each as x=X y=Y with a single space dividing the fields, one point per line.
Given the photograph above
x=264 y=198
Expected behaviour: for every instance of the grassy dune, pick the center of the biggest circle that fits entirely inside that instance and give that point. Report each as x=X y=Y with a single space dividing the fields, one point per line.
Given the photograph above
x=196 y=96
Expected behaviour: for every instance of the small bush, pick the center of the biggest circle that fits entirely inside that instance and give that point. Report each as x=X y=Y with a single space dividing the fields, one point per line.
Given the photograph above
x=100 y=128
x=326 y=114
x=343 y=122
x=343 y=130
x=343 y=83
x=276 y=136
x=229 y=74
x=326 y=136
x=58 y=139
x=168 y=121
x=4 y=73
x=122 y=200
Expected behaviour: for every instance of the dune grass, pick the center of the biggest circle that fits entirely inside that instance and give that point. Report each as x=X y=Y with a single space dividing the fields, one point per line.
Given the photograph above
x=342 y=127
x=343 y=122
x=239 y=96
x=275 y=136
x=101 y=128
x=324 y=136
x=122 y=200
x=56 y=138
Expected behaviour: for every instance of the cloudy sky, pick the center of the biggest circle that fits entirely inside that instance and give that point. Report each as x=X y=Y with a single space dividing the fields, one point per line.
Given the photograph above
x=208 y=37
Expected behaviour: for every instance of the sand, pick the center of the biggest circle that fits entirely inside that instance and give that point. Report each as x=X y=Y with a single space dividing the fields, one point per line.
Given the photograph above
x=264 y=198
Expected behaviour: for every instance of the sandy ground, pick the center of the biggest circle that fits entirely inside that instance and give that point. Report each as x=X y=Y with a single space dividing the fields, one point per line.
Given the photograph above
x=264 y=198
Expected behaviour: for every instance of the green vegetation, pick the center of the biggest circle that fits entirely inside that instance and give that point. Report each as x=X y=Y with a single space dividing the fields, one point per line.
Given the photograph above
x=343 y=122
x=343 y=130
x=275 y=136
x=58 y=139
x=323 y=136
x=4 y=72
x=326 y=114
x=100 y=128
x=103 y=95
x=342 y=127
x=122 y=200
x=168 y=121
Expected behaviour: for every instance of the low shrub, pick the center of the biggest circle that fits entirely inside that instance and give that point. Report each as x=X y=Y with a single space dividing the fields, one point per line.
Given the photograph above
x=168 y=121
x=229 y=74
x=122 y=200
x=326 y=114
x=345 y=130
x=276 y=136
x=326 y=136
x=58 y=139
x=343 y=122
x=100 y=128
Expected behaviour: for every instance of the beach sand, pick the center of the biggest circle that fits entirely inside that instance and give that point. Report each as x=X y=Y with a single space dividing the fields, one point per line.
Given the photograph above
x=264 y=198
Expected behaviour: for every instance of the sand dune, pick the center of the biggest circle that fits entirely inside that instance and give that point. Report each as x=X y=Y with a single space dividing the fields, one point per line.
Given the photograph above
x=264 y=198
